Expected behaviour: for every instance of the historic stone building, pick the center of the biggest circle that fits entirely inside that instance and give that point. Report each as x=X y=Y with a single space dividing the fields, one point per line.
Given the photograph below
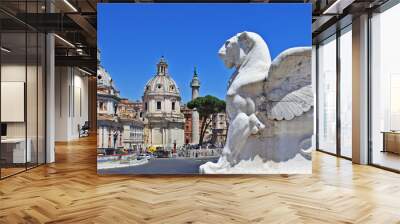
x=109 y=128
x=132 y=136
x=139 y=110
x=219 y=129
x=187 y=112
x=164 y=120
x=120 y=125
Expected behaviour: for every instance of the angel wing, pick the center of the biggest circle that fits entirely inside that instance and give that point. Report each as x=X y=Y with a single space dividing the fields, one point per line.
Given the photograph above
x=287 y=89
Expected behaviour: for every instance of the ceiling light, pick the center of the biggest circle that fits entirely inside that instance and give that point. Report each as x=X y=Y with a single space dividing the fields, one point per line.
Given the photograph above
x=338 y=6
x=5 y=50
x=80 y=51
x=86 y=72
x=64 y=40
x=70 y=5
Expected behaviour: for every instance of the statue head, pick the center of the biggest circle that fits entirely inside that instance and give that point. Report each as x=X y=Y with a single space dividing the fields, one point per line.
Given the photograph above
x=237 y=48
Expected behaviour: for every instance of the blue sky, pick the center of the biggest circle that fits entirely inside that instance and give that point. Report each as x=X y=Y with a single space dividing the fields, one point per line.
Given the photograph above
x=133 y=37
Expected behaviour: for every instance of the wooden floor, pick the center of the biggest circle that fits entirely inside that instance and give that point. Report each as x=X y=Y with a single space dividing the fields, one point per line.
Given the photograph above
x=387 y=159
x=5 y=172
x=70 y=191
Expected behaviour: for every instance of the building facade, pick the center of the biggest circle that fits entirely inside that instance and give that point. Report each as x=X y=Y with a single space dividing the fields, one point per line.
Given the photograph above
x=187 y=112
x=219 y=129
x=164 y=120
x=132 y=124
x=109 y=128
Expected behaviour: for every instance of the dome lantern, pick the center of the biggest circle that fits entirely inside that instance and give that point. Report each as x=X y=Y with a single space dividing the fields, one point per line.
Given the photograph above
x=162 y=83
x=162 y=67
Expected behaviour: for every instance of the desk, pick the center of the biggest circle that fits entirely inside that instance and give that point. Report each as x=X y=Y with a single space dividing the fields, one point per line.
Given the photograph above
x=391 y=141
x=13 y=150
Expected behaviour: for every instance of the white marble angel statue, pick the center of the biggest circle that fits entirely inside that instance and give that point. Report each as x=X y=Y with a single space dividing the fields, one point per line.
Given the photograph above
x=269 y=107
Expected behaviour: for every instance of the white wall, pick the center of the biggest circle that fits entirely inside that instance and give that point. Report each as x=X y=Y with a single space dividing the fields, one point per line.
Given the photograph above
x=12 y=89
x=14 y=72
x=33 y=126
x=71 y=103
x=11 y=73
x=61 y=103
x=81 y=103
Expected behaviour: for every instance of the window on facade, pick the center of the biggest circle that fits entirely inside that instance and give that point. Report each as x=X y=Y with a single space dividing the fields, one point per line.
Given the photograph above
x=158 y=105
x=327 y=95
x=145 y=106
x=173 y=105
x=385 y=88
x=346 y=92
x=115 y=108
x=22 y=72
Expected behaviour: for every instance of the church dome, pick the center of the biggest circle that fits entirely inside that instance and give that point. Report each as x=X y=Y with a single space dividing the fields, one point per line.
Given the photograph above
x=162 y=83
x=162 y=109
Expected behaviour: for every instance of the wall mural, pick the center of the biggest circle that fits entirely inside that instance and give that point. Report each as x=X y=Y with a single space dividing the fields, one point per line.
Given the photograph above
x=261 y=124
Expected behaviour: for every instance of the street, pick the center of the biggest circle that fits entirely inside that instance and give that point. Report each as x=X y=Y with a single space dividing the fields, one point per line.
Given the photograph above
x=163 y=166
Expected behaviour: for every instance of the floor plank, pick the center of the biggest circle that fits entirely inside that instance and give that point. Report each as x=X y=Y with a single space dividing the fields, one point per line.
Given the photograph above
x=70 y=191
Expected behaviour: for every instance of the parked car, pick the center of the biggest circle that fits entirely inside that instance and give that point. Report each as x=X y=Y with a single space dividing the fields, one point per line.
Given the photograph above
x=144 y=156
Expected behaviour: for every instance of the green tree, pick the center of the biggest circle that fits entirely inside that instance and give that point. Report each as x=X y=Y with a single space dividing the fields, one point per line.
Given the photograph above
x=207 y=107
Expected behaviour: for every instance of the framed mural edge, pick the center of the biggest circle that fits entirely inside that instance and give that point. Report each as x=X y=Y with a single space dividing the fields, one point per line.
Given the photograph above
x=162 y=124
